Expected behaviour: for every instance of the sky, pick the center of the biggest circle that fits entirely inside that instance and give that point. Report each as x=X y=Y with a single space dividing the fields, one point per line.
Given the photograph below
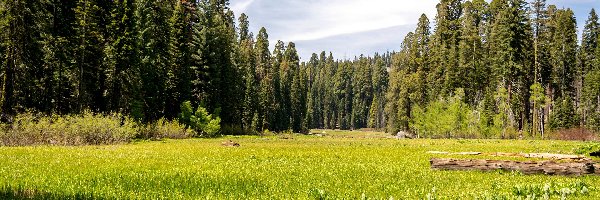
x=349 y=28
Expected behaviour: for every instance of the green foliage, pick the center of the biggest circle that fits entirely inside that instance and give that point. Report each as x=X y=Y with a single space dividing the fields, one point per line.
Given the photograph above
x=447 y=118
x=153 y=44
x=563 y=116
x=144 y=58
x=85 y=129
x=550 y=190
x=200 y=121
x=587 y=149
x=591 y=100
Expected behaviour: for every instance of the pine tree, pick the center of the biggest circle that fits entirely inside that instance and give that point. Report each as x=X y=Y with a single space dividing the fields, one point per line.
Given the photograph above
x=268 y=105
x=420 y=53
x=153 y=44
x=221 y=88
x=328 y=94
x=363 y=91
x=89 y=56
x=591 y=100
x=26 y=79
x=563 y=53
x=589 y=42
x=286 y=63
x=587 y=57
x=314 y=110
x=540 y=40
x=179 y=82
x=297 y=89
x=444 y=55
x=344 y=94
x=121 y=57
x=541 y=43
x=472 y=69
x=247 y=62
x=511 y=48
x=13 y=25
x=380 y=84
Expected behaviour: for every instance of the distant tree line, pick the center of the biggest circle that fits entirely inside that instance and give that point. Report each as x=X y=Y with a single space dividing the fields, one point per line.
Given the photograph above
x=485 y=67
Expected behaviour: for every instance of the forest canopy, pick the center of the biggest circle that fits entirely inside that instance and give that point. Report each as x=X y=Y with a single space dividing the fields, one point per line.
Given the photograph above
x=484 y=70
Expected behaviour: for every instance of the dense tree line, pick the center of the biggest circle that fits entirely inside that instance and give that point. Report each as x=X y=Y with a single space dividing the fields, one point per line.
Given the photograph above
x=145 y=58
x=507 y=65
x=513 y=65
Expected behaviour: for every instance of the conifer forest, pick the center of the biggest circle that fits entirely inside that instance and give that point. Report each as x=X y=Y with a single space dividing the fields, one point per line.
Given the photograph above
x=185 y=99
x=495 y=69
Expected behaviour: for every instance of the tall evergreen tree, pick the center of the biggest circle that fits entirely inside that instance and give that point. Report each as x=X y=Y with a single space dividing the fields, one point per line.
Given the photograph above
x=589 y=42
x=511 y=41
x=587 y=58
x=89 y=56
x=268 y=83
x=222 y=91
x=13 y=44
x=247 y=62
x=287 y=65
x=380 y=84
x=363 y=92
x=297 y=89
x=121 y=57
x=563 y=53
x=541 y=43
x=444 y=55
x=181 y=47
x=153 y=44
x=472 y=68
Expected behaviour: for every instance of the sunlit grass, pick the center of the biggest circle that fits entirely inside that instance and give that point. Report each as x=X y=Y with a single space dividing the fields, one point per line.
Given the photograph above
x=306 y=167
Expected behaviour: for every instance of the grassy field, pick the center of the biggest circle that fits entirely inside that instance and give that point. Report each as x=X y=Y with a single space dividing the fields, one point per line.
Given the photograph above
x=335 y=165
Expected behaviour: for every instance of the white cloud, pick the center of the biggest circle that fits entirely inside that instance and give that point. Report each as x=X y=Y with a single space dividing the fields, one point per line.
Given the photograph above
x=240 y=6
x=296 y=20
x=337 y=17
x=350 y=27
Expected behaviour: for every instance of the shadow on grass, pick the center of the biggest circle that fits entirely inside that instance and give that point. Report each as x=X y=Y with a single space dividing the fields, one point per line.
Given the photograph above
x=21 y=193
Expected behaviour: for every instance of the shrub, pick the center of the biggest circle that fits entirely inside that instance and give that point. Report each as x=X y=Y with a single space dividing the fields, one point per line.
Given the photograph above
x=164 y=128
x=446 y=118
x=85 y=129
x=200 y=121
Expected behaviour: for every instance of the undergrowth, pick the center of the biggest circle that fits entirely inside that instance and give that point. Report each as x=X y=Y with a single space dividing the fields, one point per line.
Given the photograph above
x=30 y=129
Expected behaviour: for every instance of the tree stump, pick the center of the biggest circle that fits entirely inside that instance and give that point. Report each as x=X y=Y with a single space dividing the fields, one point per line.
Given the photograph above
x=526 y=167
x=230 y=144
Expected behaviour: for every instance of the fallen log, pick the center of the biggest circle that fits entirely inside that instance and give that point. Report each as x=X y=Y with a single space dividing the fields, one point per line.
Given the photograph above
x=525 y=167
x=555 y=156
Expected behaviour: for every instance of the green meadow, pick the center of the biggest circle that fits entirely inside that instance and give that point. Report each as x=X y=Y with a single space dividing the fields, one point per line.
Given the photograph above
x=333 y=165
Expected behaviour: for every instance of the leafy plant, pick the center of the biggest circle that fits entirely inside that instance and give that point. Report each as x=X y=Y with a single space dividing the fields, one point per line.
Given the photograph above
x=200 y=121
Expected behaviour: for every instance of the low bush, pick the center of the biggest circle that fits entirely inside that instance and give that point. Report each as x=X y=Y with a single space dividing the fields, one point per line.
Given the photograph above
x=164 y=128
x=85 y=129
x=580 y=134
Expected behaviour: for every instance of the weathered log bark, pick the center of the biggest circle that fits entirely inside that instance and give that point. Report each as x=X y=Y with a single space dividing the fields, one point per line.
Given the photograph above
x=526 y=167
